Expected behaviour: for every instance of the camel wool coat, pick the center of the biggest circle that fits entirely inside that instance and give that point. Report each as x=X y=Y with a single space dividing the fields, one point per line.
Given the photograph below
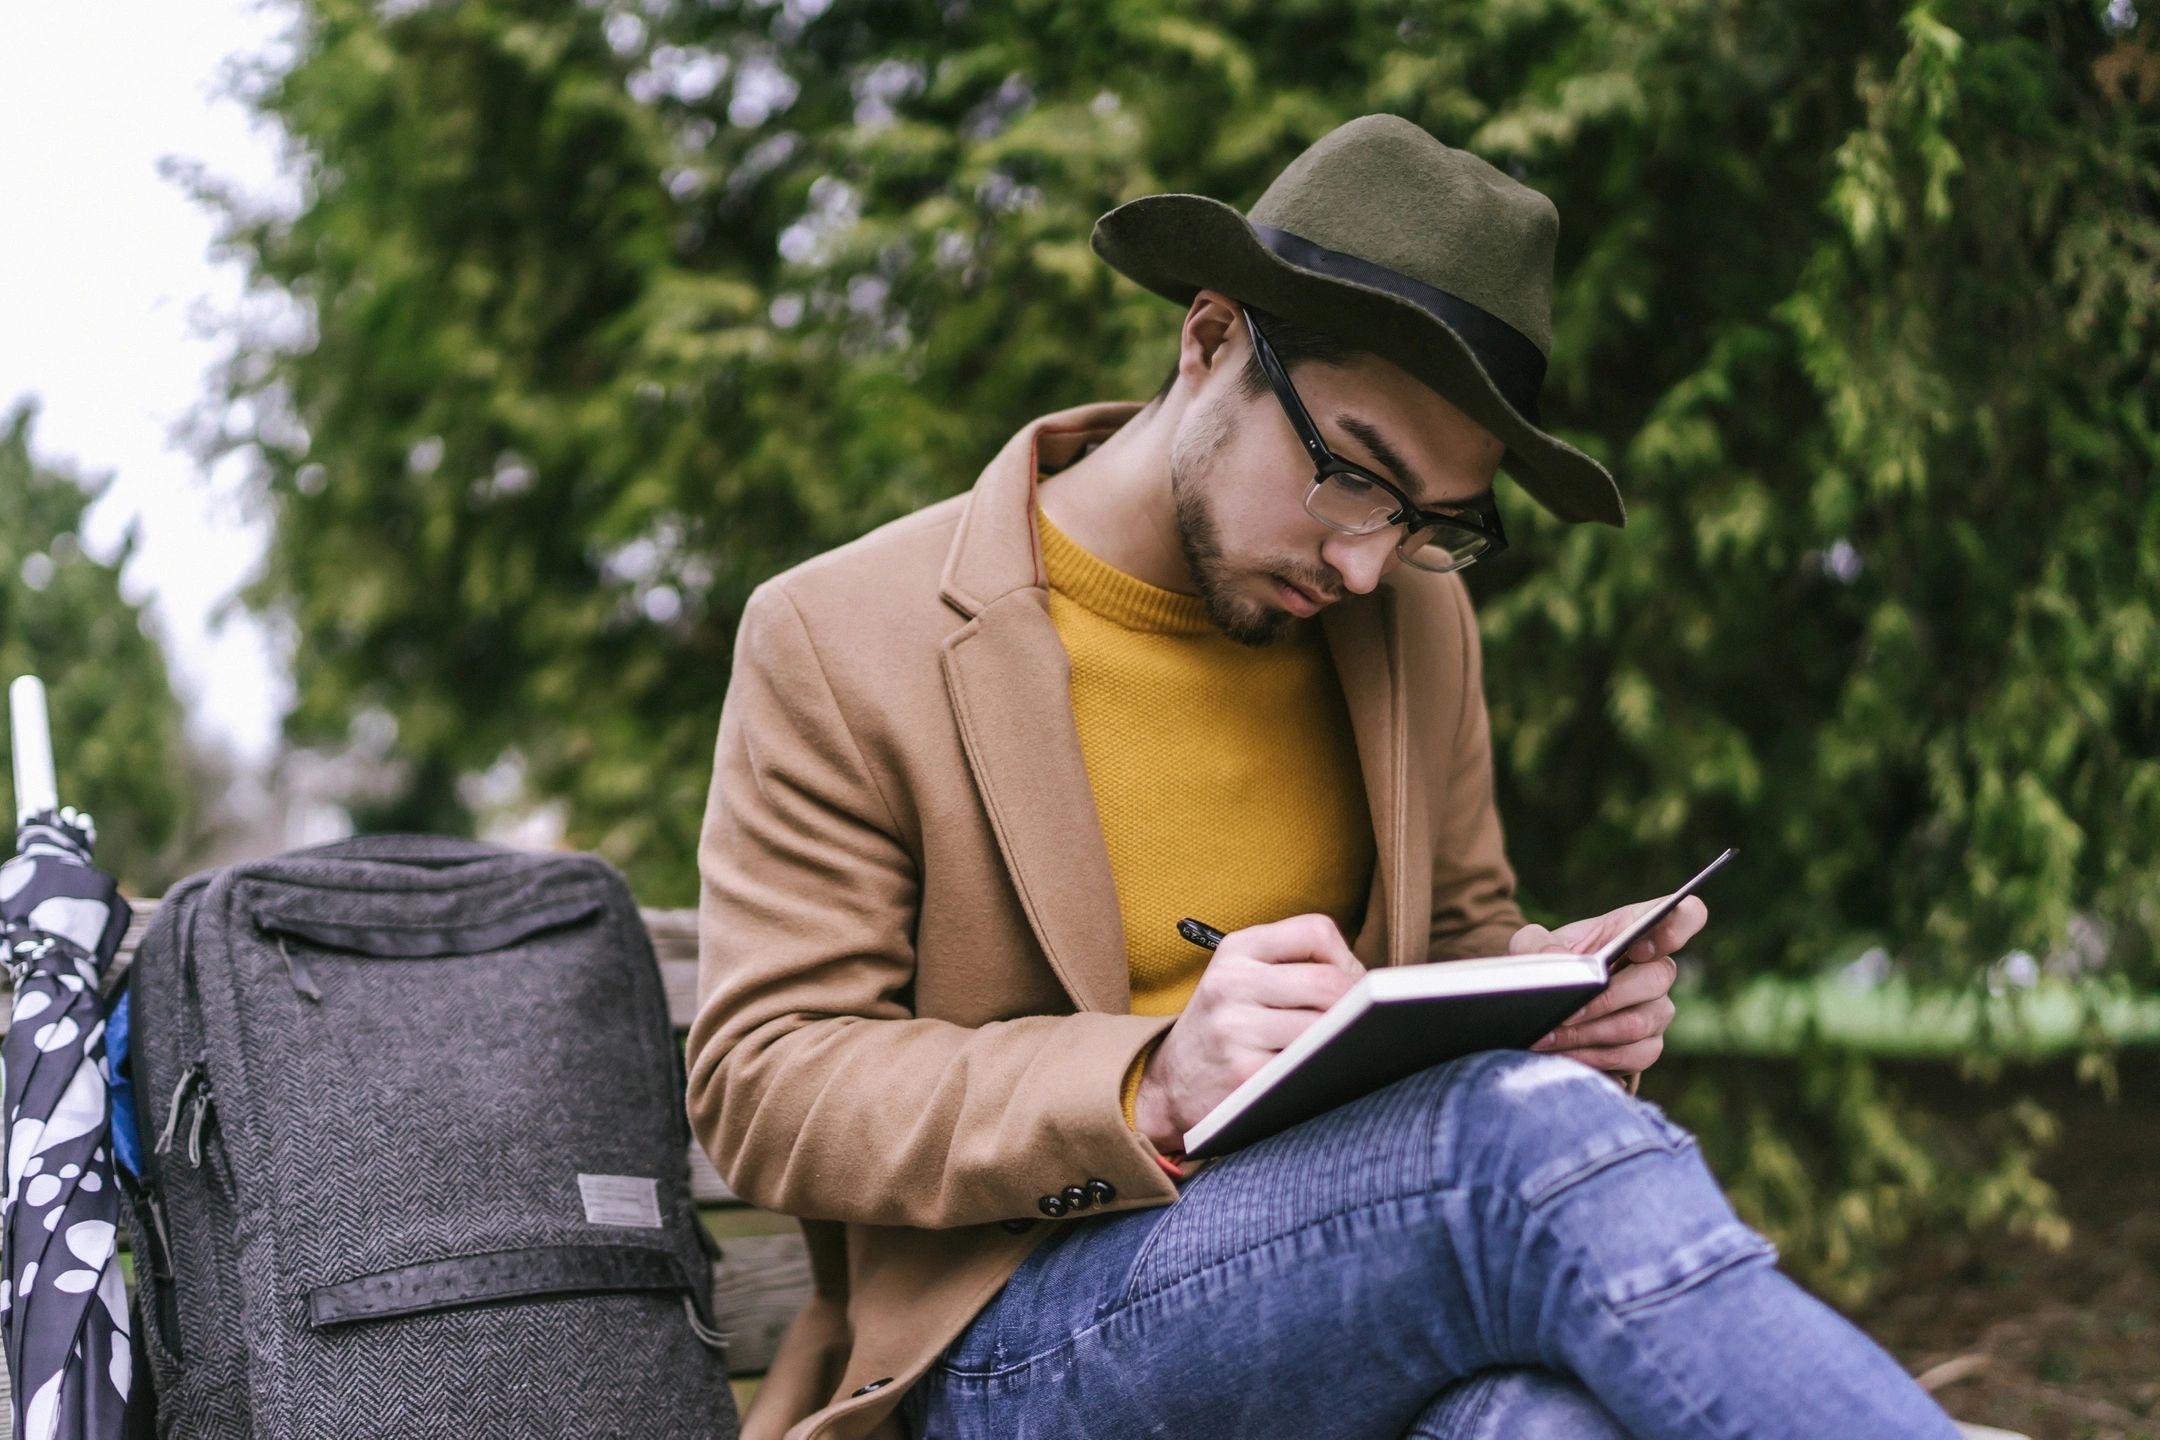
x=914 y=1008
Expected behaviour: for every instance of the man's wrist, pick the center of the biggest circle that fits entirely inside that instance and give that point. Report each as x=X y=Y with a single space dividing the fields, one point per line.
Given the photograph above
x=1150 y=1119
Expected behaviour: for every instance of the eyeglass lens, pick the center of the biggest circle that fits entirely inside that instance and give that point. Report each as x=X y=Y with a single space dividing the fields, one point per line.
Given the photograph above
x=1358 y=507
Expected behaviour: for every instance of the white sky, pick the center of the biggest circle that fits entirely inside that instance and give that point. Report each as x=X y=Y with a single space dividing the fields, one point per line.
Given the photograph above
x=110 y=306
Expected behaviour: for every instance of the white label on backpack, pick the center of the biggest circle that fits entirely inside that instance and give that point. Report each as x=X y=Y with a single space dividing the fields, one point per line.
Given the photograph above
x=620 y=1200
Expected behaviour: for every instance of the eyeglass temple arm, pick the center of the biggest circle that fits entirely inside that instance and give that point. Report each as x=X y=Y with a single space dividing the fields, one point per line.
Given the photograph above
x=1300 y=420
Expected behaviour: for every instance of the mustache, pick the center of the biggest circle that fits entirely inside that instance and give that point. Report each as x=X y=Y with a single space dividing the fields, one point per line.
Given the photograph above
x=1326 y=585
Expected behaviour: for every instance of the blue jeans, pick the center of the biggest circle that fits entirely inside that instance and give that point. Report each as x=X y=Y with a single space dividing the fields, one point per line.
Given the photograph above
x=1507 y=1245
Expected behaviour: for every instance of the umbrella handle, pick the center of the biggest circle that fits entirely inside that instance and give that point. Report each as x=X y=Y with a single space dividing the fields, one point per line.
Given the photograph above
x=36 y=789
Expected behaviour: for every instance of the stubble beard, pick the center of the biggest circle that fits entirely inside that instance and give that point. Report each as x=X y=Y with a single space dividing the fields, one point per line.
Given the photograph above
x=1240 y=619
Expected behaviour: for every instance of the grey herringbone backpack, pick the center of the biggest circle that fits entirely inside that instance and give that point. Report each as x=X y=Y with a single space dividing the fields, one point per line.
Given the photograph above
x=415 y=1154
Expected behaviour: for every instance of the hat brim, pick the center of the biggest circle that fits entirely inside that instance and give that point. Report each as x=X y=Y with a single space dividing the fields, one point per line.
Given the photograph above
x=1178 y=245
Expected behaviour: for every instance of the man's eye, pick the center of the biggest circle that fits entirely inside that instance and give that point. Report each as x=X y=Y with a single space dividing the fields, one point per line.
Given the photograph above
x=1351 y=485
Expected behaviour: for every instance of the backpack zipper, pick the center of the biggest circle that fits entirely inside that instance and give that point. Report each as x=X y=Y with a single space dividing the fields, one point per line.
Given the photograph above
x=195 y=1074
x=161 y=1263
x=195 y=1130
x=303 y=982
x=194 y=1084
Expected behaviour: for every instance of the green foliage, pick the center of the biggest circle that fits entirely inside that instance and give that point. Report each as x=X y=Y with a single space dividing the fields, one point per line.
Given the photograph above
x=609 y=312
x=1842 y=1170
x=1886 y=618
x=118 y=742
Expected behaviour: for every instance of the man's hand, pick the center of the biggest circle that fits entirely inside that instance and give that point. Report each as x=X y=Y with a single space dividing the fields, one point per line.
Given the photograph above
x=1266 y=984
x=1622 y=1029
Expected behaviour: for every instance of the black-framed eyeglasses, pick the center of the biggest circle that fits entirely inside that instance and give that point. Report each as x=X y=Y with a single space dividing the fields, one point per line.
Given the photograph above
x=1348 y=497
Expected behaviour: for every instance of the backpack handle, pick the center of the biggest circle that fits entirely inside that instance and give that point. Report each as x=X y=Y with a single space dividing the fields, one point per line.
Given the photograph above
x=436 y=851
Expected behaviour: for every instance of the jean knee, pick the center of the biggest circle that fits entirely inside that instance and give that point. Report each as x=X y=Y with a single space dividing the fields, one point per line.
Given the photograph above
x=1515 y=1403
x=1551 y=1124
x=1603 y=1174
x=1539 y=1123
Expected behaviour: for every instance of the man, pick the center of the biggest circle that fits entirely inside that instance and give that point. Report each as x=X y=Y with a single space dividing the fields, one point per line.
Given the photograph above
x=1206 y=657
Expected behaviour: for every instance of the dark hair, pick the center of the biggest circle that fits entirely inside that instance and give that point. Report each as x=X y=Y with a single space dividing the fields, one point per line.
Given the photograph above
x=1294 y=343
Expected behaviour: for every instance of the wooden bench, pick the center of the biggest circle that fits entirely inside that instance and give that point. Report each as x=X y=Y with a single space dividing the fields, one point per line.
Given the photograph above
x=763 y=1277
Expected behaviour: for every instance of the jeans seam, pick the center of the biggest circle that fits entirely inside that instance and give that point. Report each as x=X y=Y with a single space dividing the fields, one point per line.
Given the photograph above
x=1476 y=1417
x=1133 y=1293
x=1130 y=1297
x=1755 y=1249
x=1147 y=1246
x=1133 y=1297
x=1621 y=1317
x=1595 y=1165
x=1648 y=1361
x=955 y=1372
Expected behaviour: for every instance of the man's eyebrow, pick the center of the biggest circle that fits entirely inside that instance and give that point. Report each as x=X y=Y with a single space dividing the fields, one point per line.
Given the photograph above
x=1368 y=435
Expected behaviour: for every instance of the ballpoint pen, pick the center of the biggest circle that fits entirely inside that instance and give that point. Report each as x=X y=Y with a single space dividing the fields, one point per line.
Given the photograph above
x=1206 y=936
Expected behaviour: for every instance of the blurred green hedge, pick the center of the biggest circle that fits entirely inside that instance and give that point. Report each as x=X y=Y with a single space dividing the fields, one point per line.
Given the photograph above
x=119 y=745
x=602 y=314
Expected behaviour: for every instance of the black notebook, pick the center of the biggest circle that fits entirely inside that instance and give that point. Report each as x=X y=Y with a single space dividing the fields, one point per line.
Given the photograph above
x=1398 y=1020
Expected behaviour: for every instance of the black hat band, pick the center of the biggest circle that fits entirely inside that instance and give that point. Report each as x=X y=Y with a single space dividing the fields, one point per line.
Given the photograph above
x=1514 y=365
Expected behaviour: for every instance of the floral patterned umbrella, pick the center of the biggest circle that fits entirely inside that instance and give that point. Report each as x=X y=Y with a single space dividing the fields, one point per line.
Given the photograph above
x=63 y=1302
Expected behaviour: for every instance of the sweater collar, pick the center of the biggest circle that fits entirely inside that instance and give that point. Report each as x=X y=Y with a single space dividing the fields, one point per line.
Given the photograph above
x=1101 y=588
x=995 y=549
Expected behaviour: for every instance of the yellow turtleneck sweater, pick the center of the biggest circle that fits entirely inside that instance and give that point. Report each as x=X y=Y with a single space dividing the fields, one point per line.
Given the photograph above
x=1226 y=777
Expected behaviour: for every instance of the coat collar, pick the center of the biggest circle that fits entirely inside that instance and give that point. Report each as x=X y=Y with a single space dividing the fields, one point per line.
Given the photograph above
x=995 y=550
x=1010 y=683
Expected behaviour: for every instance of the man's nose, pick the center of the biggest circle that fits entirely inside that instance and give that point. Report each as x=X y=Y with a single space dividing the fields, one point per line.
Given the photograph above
x=1361 y=560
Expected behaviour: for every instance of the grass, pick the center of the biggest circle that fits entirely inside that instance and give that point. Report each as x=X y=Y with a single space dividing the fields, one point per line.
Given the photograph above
x=1895 y=1020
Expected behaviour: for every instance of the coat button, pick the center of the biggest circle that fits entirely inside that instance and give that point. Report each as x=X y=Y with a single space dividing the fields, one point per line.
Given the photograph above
x=1076 y=1198
x=1102 y=1192
x=1016 y=1227
x=873 y=1385
x=1052 y=1205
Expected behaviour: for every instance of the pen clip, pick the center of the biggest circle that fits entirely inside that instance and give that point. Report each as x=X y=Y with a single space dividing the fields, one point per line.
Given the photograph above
x=1206 y=936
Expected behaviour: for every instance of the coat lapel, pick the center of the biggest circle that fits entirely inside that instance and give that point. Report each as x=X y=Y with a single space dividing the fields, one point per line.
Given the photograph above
x=1010 y=684
x=1362 y=638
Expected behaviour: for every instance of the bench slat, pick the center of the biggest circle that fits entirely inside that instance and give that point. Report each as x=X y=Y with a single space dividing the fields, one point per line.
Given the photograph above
x=706 y=1186
x=759 y=1285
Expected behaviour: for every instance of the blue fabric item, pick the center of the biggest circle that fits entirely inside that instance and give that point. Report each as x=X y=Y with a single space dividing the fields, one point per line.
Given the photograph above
x=1505 y=1245
x=127 y=1145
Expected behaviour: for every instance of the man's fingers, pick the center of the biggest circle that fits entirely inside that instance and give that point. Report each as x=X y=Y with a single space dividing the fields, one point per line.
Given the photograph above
x=1296 y=984
x=1271 y=1030
x=1620 y=1059
x=1632 y=986
x=1301 y=937
x=1532 y=939
x=1674 y=931
x=1670 y=934
x=1621 y=1028
x=1581 y=936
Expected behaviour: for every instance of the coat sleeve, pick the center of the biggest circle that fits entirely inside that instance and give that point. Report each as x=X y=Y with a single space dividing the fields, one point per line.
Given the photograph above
x=1473 y=887
x=813 y=1086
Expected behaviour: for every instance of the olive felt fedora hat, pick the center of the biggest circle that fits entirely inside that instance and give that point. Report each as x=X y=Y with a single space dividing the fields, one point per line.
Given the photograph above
x=1398 y=245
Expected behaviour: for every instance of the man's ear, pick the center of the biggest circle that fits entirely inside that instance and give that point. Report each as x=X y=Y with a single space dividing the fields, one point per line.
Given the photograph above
x=1209 y=323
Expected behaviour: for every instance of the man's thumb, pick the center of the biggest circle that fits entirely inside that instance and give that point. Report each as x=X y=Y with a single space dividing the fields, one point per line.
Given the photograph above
x=1530 y=938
